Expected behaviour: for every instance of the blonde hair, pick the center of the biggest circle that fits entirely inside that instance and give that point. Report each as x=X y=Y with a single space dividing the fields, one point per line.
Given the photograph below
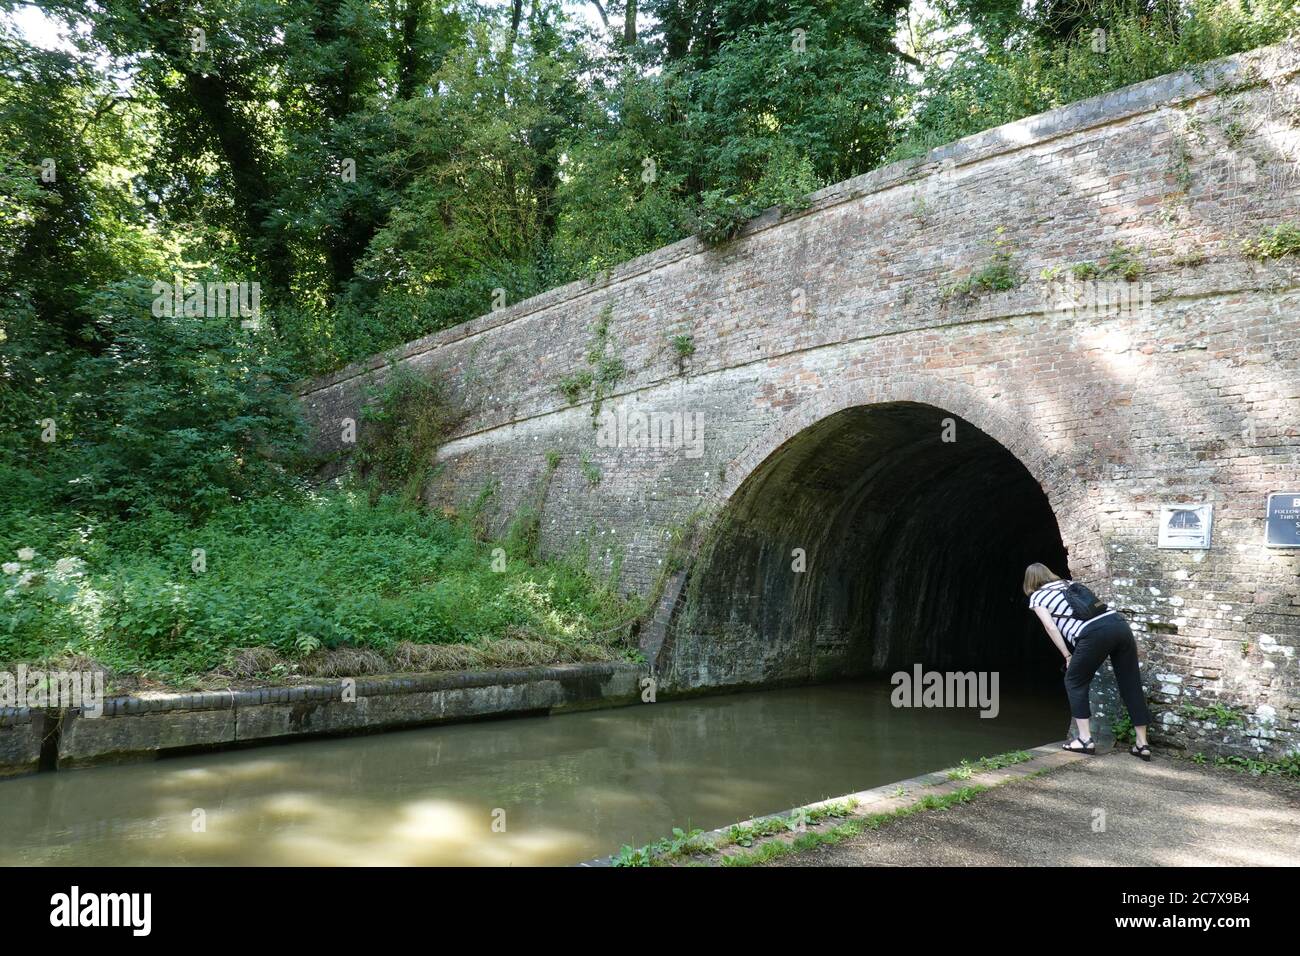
x=1036 y=575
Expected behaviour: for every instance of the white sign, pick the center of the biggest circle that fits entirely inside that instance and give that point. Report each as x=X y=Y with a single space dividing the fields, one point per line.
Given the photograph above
x=1282 y=526
x=1185 y=526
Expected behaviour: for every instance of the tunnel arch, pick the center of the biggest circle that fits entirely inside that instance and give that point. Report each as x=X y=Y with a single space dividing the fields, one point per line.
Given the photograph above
x=888 y=515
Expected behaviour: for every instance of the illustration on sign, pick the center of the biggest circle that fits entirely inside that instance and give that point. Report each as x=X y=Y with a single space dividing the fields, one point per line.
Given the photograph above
x=1185 y=526
x=1282 y=526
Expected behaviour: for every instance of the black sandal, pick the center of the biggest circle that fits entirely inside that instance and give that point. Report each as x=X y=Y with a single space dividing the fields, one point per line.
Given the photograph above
x=1144 y=752
x=1089 y=746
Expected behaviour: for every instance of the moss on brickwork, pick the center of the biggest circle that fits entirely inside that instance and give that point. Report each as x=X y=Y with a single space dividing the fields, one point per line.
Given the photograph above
x=1281 y=240
x=998 y=274
x=604 y=369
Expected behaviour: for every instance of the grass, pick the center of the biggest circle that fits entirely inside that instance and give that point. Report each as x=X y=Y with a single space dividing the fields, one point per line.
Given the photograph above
x=293 y=585
x=967 y=769
x=1288 y=766
x=685 y=844
x=851 y=828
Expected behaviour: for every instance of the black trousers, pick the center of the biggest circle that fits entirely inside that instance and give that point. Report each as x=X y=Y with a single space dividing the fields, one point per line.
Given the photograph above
x=1106 y=637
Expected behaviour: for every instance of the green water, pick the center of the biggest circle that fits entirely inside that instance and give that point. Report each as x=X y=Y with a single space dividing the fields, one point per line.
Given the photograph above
x=543 y=790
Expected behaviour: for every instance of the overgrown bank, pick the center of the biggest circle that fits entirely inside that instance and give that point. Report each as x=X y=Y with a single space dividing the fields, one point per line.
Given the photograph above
x=322 y=583
x=174 y=531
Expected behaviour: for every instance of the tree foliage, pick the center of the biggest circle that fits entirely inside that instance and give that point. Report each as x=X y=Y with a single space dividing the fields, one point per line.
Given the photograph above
x=386 y=168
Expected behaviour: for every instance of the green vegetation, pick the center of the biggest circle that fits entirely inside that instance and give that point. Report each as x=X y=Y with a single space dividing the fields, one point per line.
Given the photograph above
x=1061 y=60
x=1288 y=766
x=684 y=347
x=1189 y=258
x=1123 y=730
x=607 y=370
x=851 y=828
x=785 y=183
x=574 y=386
x=997 y=275
x=1180 y=163
x=604 y=370
x=968 y=769
x=328 y=568
x=171 y=541
x=745 y=834
x=1283 y=240
x=1121 y=262
x=685 y=844
x=1235 y=133
x=1219 y=714
x=402 y=425
x=454 y=158
x=180 y=413
x=681 y=843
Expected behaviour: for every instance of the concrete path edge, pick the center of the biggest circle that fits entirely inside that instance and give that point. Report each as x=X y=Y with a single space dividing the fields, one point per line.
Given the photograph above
x=886 y=798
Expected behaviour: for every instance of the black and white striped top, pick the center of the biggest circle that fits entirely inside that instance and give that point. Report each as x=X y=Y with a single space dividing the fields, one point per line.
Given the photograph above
x=1050 y=599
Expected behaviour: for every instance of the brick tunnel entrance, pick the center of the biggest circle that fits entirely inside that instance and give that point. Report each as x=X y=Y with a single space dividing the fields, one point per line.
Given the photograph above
x=915 y=528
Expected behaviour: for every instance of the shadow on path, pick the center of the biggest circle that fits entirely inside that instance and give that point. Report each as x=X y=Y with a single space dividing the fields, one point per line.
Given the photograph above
x=1169 y=812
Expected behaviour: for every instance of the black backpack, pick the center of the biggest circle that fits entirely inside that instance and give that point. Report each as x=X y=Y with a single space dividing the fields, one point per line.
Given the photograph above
x=1083 y=603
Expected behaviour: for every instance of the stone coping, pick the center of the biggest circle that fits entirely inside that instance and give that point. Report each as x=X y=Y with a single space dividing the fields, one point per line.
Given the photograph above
x=886 y=798
x=143 y=727
x=371 y=686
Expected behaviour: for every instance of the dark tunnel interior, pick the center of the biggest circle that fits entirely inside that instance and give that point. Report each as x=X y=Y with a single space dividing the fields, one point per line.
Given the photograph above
x=915 y=552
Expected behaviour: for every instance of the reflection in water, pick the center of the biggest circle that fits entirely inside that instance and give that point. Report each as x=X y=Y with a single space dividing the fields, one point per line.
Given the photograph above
x=571 y=787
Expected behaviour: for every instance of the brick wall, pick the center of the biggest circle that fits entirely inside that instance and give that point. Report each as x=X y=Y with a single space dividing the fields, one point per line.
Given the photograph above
x=1192 y=394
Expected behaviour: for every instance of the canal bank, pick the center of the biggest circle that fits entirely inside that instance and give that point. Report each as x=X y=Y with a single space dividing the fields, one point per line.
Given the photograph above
x=146 y=726
x=823 y=822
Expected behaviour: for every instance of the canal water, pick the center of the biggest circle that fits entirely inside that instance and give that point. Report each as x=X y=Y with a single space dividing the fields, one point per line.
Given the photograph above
x=518 y=792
